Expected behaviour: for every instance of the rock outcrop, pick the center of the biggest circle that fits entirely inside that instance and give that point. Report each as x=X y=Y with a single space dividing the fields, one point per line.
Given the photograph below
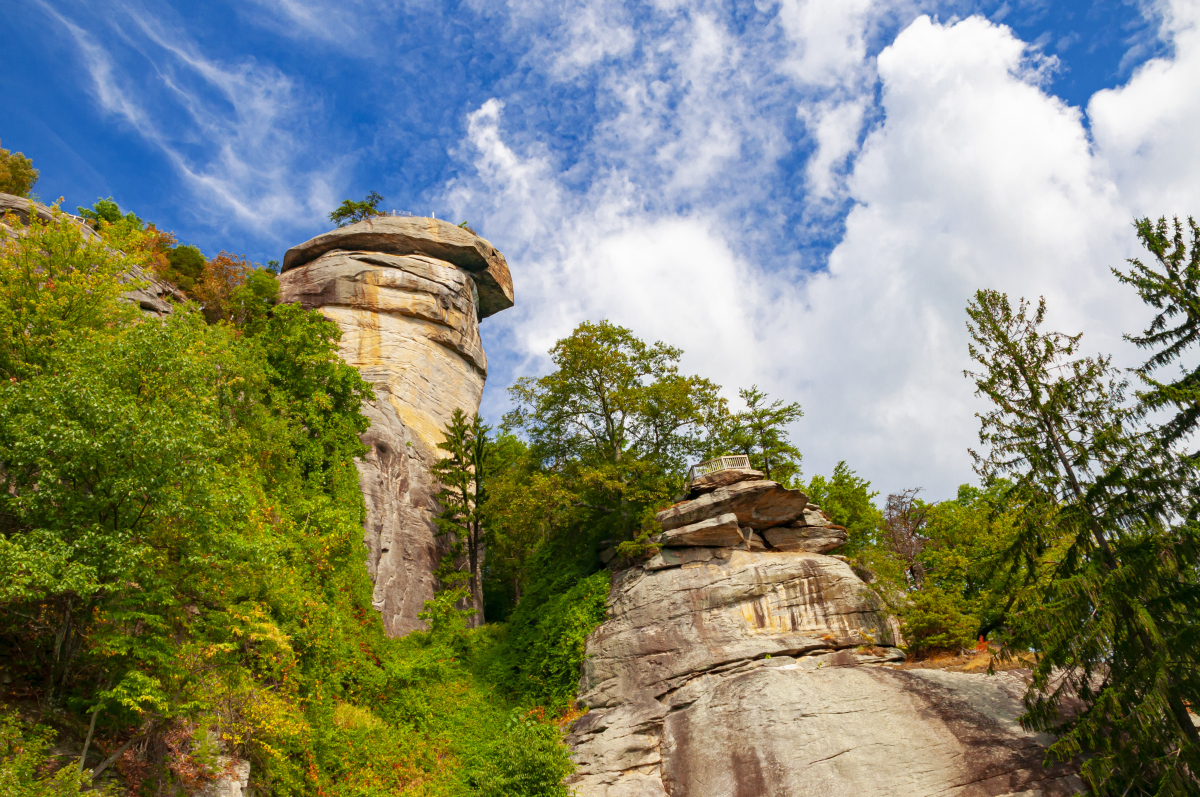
x=150 y=294
x=408 y=294
x=766 y=669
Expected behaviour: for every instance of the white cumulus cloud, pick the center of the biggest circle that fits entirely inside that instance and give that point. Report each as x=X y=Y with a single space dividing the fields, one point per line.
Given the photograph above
x=971 y=175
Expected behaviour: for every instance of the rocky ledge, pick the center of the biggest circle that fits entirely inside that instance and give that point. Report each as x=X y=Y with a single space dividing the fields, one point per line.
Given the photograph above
x=743 y=661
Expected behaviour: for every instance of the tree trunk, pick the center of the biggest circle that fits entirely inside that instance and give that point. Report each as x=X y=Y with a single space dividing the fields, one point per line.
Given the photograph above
x=87 y=741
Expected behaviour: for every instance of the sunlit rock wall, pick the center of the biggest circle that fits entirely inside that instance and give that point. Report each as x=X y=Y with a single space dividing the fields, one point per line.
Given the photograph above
x=408 y=294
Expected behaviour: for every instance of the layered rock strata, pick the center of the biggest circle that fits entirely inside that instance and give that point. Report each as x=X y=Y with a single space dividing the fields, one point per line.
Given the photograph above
x=408 y=294
x=764 y=668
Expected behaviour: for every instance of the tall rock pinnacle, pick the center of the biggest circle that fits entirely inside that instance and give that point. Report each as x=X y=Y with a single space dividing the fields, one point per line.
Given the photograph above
x=408 y=294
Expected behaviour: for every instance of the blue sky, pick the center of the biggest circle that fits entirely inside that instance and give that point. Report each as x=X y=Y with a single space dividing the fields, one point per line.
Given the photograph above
x=801 y=195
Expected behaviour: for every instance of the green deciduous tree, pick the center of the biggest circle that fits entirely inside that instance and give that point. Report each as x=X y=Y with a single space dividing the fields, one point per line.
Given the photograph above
x=350 y=211
x=850 y=502
x=53 y=280
x=1113 y=624
x=107 y=211
x=185 y=267
x=618 y=420
x=612 y=398
x=17 y=175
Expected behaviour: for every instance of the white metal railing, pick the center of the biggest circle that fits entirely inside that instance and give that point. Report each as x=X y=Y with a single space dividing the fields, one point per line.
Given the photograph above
x=719 y=463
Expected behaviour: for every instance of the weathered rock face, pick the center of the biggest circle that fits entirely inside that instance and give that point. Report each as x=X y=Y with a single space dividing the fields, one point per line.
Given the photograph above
x=407 y=294
x=749 y=672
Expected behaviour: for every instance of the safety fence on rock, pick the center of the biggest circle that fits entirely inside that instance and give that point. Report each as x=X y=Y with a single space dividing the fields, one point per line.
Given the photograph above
x=718 y=463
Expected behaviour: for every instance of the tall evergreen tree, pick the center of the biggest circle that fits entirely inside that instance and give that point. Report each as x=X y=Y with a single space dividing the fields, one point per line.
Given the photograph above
x=462 y=473
x=1113 y=620
x=1170 y=285
x=760 y=432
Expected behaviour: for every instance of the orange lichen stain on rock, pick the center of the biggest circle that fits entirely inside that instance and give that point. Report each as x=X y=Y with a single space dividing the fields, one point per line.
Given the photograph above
x=762 y=615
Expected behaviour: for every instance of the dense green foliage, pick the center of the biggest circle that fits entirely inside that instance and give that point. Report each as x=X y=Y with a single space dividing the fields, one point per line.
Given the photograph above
x=180 y=556
x=185 y=267
x=543 y=648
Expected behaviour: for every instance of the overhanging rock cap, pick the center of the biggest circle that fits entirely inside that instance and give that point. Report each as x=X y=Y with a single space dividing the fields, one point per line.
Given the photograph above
x=410 y=235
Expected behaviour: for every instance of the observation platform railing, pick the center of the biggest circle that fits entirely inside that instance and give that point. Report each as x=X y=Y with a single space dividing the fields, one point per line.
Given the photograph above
x=708 y=466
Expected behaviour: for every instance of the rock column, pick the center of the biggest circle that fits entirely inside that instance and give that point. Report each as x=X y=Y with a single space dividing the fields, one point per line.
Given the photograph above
x=408 y=294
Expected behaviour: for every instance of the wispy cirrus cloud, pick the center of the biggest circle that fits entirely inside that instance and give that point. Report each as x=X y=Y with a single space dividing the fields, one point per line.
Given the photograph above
x=234 y=131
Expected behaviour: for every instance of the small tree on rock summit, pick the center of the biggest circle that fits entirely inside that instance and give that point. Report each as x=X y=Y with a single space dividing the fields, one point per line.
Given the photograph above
x=350 y=211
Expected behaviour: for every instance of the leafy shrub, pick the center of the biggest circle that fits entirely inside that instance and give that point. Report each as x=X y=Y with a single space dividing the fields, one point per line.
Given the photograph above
x=934 y=621
x=24 y=764
x=544 y=647
x=528 y=760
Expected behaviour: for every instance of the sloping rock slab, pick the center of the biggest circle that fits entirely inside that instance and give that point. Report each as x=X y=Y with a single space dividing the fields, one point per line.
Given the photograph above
x=722 y=478
x=406 y=235
x=817 y=539
x=757 y=504
x=784 y=730
x=719 y=532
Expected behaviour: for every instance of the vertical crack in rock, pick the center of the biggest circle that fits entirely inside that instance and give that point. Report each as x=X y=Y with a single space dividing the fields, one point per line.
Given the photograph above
x=408 y=295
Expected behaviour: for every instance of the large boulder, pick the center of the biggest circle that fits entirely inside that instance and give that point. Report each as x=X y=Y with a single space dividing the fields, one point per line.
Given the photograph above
x=407 y=295
x=721 y=532
x=769 y=675
x=409 y=235
x=758 y=504
x=721 y=478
